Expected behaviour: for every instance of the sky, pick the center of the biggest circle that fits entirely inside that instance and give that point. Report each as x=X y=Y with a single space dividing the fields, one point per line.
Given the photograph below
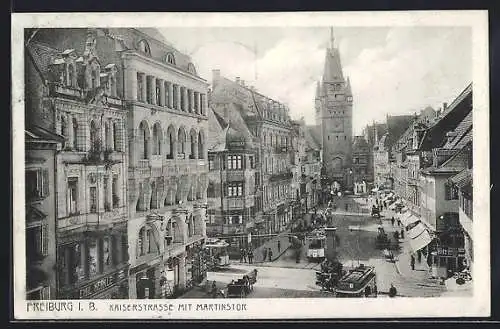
x=393 y=70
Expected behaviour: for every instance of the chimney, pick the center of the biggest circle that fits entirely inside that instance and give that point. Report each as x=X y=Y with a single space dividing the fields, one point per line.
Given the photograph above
x=445 y=107
x=237 y=80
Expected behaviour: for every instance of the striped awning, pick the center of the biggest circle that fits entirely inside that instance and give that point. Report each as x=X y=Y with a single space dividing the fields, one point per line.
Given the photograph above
x=408 y=218
x=419 y=237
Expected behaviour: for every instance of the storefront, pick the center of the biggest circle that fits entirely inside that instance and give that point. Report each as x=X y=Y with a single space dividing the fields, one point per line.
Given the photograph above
x=109 y=286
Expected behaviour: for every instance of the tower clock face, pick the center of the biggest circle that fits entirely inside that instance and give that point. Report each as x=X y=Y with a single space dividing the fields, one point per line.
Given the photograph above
x=338 y=126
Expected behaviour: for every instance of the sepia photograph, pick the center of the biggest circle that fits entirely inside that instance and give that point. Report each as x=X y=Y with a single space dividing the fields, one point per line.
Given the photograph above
x=239 y=166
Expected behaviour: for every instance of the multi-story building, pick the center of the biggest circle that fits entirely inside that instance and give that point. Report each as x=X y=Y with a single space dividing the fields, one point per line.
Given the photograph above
x=439 y=204
x=269 y=123
x=333 y=104
x=41 y=148
x=308 y=158
x=75 y=94
x=167 y=126
x=360 y=165
x=232 y=181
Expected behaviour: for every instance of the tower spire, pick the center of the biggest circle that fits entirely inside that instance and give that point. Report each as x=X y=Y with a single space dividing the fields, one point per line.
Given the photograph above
x=332 y=39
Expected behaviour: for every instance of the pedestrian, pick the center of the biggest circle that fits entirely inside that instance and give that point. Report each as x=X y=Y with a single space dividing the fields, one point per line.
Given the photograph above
x=396 y=235
x=419 y=256
x=245 y=255
x=279 y=246
x=250 y=256
x=402 y=234
x=375 y=290
x=214 y=290
x=399 y=222
x=392 y=220
x=392 y=291
x=241 y=255
x=270 y=254
x=264 y=254
x=412 y=262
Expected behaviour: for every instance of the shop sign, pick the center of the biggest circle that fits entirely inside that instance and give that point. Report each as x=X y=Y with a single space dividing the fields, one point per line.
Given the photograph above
x=101 y=284
x=445 y=251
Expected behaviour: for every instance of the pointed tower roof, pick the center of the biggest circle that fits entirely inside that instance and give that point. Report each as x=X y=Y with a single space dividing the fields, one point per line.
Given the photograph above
x=333 y=68
x=348 y=87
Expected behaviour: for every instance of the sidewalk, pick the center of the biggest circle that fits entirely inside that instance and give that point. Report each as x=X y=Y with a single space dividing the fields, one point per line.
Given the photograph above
x=273 y=245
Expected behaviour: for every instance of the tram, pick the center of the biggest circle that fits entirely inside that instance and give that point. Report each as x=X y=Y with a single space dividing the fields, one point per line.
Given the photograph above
x=218 y=252
x=315 y=242
x=358 y=282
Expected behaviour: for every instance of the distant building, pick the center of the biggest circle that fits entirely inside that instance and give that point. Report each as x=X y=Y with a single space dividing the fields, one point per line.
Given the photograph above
x=333 y=104
x=360 y=157
x=41 y=147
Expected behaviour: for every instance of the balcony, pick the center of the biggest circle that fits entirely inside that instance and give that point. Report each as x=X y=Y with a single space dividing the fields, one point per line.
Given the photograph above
x=242 y=202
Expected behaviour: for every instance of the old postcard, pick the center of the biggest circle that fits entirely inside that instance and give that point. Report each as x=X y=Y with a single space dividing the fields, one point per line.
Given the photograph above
x=251 y=165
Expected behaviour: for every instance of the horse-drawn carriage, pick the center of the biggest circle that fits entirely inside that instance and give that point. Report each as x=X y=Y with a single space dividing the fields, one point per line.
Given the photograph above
x=382 y=240
x=243 y=286
x=375 y=211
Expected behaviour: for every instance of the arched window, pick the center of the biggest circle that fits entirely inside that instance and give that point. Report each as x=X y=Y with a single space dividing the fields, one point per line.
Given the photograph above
x=144 y=139
x=181 y=137
x=191 y=69
x=75 y=133
x=192 y=138
x=170 y=59
x=94 y=139
x=171 y=142
x=144 y=47
x=201 y=146
x=157 y=136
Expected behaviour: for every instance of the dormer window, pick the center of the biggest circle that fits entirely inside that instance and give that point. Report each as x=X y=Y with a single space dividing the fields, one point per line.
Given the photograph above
x=144 y=47
x=170 y=59
x=191 y=69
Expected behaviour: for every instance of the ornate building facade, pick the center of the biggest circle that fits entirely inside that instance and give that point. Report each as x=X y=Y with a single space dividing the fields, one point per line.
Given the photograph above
x=74 y=94
x=333 y=104
x=167 y=174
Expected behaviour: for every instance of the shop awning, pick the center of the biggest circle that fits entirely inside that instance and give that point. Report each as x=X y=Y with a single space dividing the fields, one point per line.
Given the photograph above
x=408 y=218
x=420 y=240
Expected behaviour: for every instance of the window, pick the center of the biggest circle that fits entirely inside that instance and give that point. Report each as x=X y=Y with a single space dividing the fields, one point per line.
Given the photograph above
x=450 y=191
x=71 y=75
x=140 y=87
x=182 y=142
x=36 y=242
x=114 y=188
x=250 y=159
x=191 y=69
x=115 y=136
x=149 y=89
x=107 y=202
x=93 y=259
x=170 y=144
x=201 y=146
x=170 y=59
x=144 y=47
x=336 y=137
x=106 y=253
x=211 y=162
x=93 y=199
x=94 y=141
x=175 y=96
x=328 y=137
x=37 y=183
x=75 y=133
x=158 y=93
x=234 y=189
x=193 y=146
x=72 y=195
x=157 y=139
x=183 y=99
x=234 y=162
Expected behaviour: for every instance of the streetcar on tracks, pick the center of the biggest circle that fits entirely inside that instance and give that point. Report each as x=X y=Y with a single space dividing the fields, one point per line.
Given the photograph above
x=316 y=243
x=218 y=252
x=358 y=282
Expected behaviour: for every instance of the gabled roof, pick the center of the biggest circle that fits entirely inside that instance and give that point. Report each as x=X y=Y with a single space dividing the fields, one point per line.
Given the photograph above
x=463 y=133
x=462 y=179
x=42 y=55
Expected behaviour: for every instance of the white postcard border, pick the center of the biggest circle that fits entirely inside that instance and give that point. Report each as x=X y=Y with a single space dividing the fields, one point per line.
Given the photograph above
x=275 y=308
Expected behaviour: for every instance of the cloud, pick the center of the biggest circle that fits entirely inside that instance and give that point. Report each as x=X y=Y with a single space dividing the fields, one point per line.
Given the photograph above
x=392 y=70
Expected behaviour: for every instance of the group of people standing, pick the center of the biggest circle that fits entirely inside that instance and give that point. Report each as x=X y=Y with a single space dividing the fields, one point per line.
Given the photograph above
x=246 y=255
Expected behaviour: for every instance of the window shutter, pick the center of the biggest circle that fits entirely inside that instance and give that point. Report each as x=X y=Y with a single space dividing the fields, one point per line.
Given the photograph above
x=45 y=183
x=45 y=240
